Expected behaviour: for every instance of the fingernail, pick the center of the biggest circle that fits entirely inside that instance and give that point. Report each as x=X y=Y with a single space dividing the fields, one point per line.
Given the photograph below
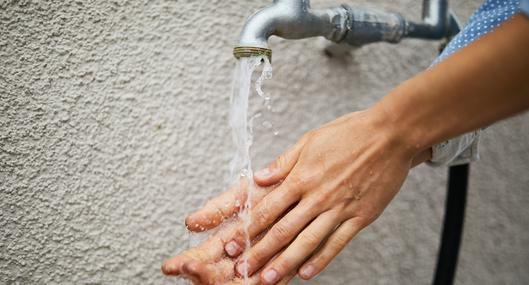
x=232 y=248
x=307 y=272
x=241 y=268
x=169 y=267
x=264 y=173
x=270 y=276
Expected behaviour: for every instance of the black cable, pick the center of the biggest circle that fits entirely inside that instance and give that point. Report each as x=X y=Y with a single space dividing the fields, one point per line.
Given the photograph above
x=452 y=225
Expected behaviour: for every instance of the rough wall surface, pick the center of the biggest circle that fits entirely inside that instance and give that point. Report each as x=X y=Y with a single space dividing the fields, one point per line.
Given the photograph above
x=113 y=126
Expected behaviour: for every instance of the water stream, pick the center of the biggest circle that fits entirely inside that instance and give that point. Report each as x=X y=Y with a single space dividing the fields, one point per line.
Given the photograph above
x=241 y=123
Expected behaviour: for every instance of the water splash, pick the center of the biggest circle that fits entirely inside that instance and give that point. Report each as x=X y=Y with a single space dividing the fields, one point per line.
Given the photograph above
x=242 y=131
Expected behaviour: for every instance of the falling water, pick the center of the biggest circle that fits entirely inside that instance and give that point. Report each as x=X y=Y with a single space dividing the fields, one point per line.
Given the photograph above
x=242 y=129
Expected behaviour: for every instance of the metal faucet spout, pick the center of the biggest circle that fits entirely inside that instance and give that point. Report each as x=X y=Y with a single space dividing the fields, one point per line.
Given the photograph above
x=289 y=19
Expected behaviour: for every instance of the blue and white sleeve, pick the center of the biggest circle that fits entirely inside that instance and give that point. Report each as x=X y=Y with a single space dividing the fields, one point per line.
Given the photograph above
x=524 y=7
x=489 y=16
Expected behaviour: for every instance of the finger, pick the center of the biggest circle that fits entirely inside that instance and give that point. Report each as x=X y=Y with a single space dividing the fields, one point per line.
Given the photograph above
x=224 y=206
x=281 y=234
x=218 y=209
x=208 y=274
x=197 y=272
x=256 y=280
x=281 y=166
x=336 y=243
x=173 y=266
x=262 y=216
x=287 y=278
x=222 y=271
x=252 y=280
x=209 y=251
x=302 y=247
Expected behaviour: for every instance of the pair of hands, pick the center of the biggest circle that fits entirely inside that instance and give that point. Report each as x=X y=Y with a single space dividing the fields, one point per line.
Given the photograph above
x=330 y=185
x=208 y=263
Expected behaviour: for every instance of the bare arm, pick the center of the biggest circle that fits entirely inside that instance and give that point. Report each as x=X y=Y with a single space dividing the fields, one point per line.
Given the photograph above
x=480 y=84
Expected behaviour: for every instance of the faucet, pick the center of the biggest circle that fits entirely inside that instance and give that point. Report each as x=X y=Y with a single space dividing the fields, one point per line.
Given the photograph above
x=295 y=19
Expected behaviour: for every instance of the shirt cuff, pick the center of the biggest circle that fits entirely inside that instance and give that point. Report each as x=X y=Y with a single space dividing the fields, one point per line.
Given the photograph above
x=460 y=150
x=524 y=7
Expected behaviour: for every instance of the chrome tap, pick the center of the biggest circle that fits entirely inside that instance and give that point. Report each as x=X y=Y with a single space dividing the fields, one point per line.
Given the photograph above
x=295 y=19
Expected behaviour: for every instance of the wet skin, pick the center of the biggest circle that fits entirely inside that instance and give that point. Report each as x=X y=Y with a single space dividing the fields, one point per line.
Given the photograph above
x=208 y=264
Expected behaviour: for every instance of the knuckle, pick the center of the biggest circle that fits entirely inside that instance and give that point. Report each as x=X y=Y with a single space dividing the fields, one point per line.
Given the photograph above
x=320 y=199
x=261 y=216
x=318 y=259
x=302 y=181
x=257 y=256
x=280 y=232
x=295 y=181
x=348 y=209
x=305 y=178
x=367 y=220
x=340 y=242
x=312 y=176
x=310 y=239
x=282 y=264
x=368 y=213
x=238 y=237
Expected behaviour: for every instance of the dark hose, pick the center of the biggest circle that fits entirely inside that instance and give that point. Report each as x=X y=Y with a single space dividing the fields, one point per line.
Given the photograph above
x=452 y=225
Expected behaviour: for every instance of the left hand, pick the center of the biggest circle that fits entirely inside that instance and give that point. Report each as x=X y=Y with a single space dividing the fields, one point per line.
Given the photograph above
x=208 y=264
x=337 y=180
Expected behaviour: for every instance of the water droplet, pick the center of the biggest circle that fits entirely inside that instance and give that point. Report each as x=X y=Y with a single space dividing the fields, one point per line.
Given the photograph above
x=244 y=172
x=267 y=124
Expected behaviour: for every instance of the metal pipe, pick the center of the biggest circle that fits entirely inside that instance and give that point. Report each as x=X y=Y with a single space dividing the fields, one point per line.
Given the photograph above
x=366 y=26
x=435 y=21
x=294 y=19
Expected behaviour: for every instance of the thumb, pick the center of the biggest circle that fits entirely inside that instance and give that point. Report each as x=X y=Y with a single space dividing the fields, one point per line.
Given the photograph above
x=280 y=167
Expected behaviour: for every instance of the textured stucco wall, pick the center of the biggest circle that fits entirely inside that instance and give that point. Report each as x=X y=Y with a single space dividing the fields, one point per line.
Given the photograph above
x=113 y=126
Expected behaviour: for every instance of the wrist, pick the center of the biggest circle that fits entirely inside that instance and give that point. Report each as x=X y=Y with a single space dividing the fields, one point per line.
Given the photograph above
x=399 y=133
x=422 y=156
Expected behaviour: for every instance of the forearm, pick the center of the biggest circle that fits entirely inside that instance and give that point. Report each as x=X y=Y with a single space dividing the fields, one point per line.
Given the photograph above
x=485 y=82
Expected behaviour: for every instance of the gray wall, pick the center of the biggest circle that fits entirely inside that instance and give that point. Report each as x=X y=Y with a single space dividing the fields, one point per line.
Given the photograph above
x=113 y=126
